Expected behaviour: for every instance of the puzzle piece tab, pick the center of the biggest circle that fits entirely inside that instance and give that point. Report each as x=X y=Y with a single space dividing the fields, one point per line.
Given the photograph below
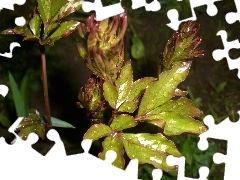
x=9 y=4
x=102 y=12
x=226 y=130
x=173 y=14
x=180 y=162
x=224 y=53
x=232 y=17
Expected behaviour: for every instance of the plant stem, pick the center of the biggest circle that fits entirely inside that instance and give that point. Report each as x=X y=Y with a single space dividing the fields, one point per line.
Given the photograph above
x=45 y=86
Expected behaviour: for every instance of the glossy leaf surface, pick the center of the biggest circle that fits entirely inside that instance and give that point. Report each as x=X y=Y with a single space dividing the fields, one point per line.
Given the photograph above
x=64 y=30
x=182 y=106
x=68 y=8
x=175 y=124
x=147 y=148
x=124 y=83
x=123 y=121
x=35 y=25
x=44 y=8
x=97 y=131
x=162 y=90
x=115 y=144
x=31 y=124
x=110 y=93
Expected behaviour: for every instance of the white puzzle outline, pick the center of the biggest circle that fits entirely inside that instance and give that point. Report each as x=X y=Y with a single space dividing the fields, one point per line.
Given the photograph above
x=58 y=153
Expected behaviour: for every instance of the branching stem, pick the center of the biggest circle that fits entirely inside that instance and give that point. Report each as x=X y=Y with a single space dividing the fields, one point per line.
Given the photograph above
x=45 y=86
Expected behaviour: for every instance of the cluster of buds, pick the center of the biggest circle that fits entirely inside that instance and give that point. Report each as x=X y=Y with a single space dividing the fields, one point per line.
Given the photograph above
x=182 y=46
x=103 y=50
x=91 y=98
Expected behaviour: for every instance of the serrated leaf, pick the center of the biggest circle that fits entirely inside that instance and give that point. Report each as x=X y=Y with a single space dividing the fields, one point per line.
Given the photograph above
x=17 y=98
x=35 y=25
x=60 y=123
x=44 y=8
x=175 y=124
x=162 y=90
x=97 y=131
x=68 y=8
x=124 y=83
x=115 y=144
x=49 y=29
x=64 y=30
x=123 y=121
x=151 y=149
x=128 y=106
x=138 y=87
x=182 y=106
x=110 y=93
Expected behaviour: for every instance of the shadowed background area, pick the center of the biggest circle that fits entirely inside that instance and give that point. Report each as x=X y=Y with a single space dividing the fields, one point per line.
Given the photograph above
x=214 y=89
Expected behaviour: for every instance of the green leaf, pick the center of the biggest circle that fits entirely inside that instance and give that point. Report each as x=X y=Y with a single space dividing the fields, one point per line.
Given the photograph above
x=24 y=88
x=187 y=151
x=44 y=8
x=23 y=30
x=175 y=124
x=124 y=83
x=128 y=106
x=56 y=6
x=31 y=124
x=35 y=25
x=60 y=123
x=64 y=30
x=68 y=8
x=110 y=93
x=49 y=29
x=161 y=91
x=17 y=98
x=182 y=106
x=5 y=121
x=151 y=149
x=123 y=121
x=138 y=87
x=137 y=49
x=81 y=50
x=97 y=131
x=115 y=144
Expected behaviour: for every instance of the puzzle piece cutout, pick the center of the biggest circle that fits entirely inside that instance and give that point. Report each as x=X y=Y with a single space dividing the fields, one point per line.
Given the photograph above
x=232 y=17
x=9 y=4
x=180 y=162
x=116 y=9
x=229 y=131
x=224 y=53
x=19 y=21
x=173 y=14
x=103 y=12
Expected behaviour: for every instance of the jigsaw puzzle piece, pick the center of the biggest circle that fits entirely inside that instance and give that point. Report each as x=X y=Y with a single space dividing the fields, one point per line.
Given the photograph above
x=180 y=162
x=10 y=4
x=153 y=6
x=173 y=14
x=102 y=12
x=232 y=17
x=58 y=149
x=219 y=54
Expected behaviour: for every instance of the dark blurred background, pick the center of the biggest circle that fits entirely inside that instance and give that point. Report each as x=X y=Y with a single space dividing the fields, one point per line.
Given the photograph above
x=212 y=86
